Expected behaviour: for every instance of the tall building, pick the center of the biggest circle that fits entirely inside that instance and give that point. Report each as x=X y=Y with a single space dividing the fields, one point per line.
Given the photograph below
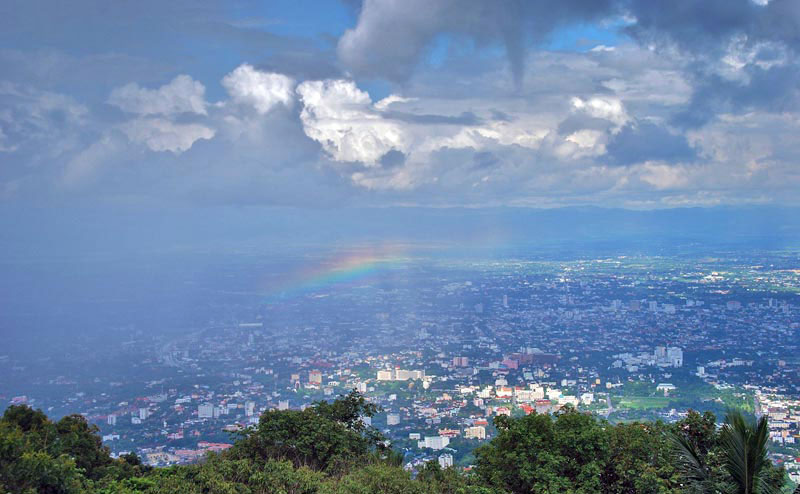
x=393 y=419
x=675 y=356
x=205 y=411
x=112 y=419
x=315 y=377
x=460 y=361
x=446 y=460
x=249 y=408
x=475 y=432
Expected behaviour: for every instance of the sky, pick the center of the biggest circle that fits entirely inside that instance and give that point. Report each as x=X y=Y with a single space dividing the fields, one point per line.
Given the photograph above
x=433 y=103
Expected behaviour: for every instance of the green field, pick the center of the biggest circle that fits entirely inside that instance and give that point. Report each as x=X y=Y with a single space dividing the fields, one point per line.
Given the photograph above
x=643 y=402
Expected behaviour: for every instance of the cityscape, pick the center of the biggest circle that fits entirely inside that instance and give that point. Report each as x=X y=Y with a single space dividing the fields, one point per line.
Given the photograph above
x=444 y=345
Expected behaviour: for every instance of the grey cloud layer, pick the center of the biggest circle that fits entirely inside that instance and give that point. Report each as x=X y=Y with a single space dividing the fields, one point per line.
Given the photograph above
x=391 y=36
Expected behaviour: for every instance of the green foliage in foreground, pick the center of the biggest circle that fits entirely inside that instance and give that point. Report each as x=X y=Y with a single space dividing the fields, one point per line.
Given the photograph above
x=327 y=449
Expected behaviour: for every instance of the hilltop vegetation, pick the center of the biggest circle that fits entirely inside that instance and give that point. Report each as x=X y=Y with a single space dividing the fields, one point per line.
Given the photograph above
x=327 y=449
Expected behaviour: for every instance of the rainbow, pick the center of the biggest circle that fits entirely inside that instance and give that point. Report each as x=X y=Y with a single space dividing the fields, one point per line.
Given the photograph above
x=343 y=269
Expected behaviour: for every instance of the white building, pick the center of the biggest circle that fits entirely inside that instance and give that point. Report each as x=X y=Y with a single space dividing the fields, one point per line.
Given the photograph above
x=405 y=375
x=205 y=411
x=675 y=356
x=434 y=442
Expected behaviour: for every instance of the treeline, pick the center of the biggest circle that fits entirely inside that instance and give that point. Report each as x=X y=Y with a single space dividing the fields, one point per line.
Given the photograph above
x=327 y=449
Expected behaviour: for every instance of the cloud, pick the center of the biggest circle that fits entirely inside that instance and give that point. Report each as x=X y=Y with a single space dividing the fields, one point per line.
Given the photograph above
x=384 y=104
x=39 y=127
x=680 y=103
x=610 y=109
x=710 y=25
x=391 y=36
x=181 y=95
x=662 y=176
x=638 y=142
x=343 y=120
x=260 y=90
x=159 y=134
x=735 y=53
x=4 y=146
x=84 y=166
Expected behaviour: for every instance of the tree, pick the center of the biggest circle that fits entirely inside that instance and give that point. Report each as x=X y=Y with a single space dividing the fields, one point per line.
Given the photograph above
x=639 y=461
x=735 y=463
x=30 y=459
x=325 y=436
x=76 y=438
x=374 y=479
x=744 y=444
x=543 y=454
x=695 y=444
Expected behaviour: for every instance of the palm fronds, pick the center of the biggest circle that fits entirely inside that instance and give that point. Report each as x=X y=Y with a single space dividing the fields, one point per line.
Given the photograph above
x=744 y=446
x=690 y=464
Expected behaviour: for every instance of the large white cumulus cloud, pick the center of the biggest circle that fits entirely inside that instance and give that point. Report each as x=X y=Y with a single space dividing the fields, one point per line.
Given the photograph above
x=261 y=90
x=343 y=120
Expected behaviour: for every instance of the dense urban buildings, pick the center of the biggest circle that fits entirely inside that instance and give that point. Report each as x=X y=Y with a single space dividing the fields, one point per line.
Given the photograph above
x=444 y=345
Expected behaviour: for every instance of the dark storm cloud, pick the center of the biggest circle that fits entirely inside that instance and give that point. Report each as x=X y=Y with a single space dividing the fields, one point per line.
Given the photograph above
x=465 y=118
x=645 y=141
x=759 y=43
x=484 y=160
x=700 y=25
x=499 y=116
x=393 y=159
x=574 y=123
x=390 y=37
x=776 y=89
